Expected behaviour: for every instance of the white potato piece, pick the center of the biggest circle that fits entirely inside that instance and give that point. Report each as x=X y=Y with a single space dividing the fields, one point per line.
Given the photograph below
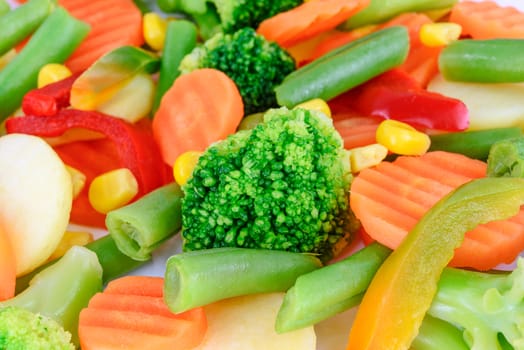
x=35 y=198
x=248 y=322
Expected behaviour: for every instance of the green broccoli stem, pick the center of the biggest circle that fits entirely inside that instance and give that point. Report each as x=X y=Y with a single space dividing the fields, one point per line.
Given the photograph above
x=345 y=67
x=19 y=23
x=201 y=277
x=181 y=38
x=310 y=300
x=140 y=227
x=208 y=23
x=436 y=334
x=53 y=42
x=475 y=143
x=506 y=158
x=63 y=289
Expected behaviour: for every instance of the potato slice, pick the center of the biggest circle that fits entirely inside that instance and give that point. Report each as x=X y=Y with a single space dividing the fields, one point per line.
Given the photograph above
x=35 y=198
x=248 y=322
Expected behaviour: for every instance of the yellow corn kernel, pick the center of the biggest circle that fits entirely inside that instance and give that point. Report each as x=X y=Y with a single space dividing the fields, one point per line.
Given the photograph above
x=316 y=104
x=184 y=165
x=52 y=72
x=78 y=179
x=367 y=156
x=112 y=190
x=439 y=34
x=154 y=30
x=402 y=138
x=69 y=239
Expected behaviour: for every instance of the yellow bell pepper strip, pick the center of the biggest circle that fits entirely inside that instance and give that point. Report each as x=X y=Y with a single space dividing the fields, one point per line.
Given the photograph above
x=140 y=227
x=403 y=288
x=20 y=22
x=54 y=41
x=200 y=277
x=345 y=67
x=483 y=61
x=62 y=289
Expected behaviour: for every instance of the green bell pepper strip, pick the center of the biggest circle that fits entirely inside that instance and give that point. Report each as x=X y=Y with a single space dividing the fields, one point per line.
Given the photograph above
x=200 y=277
x=140 y=227
x=406 y=283
x=379 y=11
x=63 y=289
x=475 y=143
x=506 y=158
x=181 y=38
x=19 y=23
x=345 y=67
x=53 y=42
x=483 y=61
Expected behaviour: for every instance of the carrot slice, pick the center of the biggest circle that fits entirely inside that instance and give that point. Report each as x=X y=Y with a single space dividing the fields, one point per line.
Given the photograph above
x=113 y=24
x=7 y=267
x=200 y=108
x=308 y=19
x=390 y=198
x=131 y=314
x=488 y=20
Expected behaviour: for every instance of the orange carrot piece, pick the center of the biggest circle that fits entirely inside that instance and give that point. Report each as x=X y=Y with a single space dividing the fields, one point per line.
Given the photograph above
x=113 y=24
x=131 y=314
x=488 y=20
x=7 y=267
x=200 y=108
x=390 y=199
x=308 y=19
x=357 y=131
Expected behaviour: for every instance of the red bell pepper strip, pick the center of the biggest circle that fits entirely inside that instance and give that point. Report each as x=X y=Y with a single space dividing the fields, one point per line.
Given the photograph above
x=396 y=95
x=133 y=148
x=48 y=100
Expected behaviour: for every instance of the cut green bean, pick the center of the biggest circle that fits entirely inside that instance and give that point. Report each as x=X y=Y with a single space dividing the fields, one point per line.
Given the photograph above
x=475 y=143
x=4 y=7
x=326 y=292
x=140 y=227
x=181 y=38
x=53 y=42
x=19 y=23
x=483 y=61
x=201 y=277
x=346 y=67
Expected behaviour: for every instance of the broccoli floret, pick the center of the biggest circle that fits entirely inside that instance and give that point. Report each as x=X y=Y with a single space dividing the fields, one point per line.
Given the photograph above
x=21 y=329
x=487 y=306
x=282 y=185
x=506 y=158
x=228 y=15
x=256 y=65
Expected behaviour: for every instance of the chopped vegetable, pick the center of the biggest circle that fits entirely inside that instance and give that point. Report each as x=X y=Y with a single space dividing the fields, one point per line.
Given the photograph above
x=7 y=267
x=112 y=190
x=53 y=41
x=70 y=239
x=140 y=227
x=255 y=64
x=506 y=158
x=311 y=18
x=391 y=198
x=201 y=107
x=194 y=279
x=356 y=131
x=483 y=61
x=184 y=166
x=367 y=156
x=281 y=185
x=406 y=282
x=51 y=73
x=33 y=179
x=62 y=289
x=130 y=313
x=154 y=29
x=345 y=67
x=439 y=34
x=402 y=138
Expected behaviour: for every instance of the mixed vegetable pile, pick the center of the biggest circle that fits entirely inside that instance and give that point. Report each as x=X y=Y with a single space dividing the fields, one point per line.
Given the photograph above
x=340 y=174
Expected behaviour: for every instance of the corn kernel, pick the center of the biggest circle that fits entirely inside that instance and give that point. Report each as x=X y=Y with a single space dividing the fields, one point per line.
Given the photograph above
x=69 y=239
x=316 y=104
x=439 y=34
x=78 y=179
x=112 y=190
x=184 y=165
x=402 y=138
x=154 y=30
x=51 y=73
x=367 y=156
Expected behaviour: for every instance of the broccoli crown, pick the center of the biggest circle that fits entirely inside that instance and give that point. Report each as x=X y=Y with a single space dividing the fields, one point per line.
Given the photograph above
x=256 y=65
x=21 y=329
x=282 y=185
x=487 y=306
